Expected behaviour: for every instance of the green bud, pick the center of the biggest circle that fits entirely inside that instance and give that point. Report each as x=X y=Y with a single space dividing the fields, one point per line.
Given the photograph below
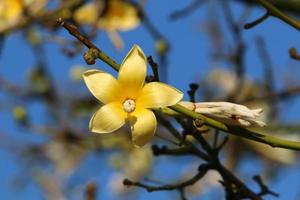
x=33 y=37
x=40 y=83
x=162 y=47
x=20 y=114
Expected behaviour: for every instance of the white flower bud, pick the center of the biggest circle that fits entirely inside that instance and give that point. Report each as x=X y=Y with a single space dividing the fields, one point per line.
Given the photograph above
x=227 y=113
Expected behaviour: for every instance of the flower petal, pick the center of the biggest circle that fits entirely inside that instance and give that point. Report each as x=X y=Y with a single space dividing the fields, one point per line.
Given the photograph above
x=11 y=11
x=87 y=14
x=132 y=73
x=108 y=118
x=143 y=125
x=102 y=85
x=156 y=95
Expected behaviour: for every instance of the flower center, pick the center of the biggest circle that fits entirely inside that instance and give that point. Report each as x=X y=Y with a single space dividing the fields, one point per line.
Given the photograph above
x=129 y=105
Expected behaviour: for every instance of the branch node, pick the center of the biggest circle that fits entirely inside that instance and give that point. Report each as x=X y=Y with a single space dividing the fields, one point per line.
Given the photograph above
x=90 y=56
x=294 y=54
x=198 y=123
x=127 y=182
x=60 y=21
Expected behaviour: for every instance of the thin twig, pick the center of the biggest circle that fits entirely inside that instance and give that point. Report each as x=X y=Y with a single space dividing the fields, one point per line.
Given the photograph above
x=183 y=151
x=257 y=21
x=154 y=67
x=99 y=54
x=182 y=194
x=201 y=172
x=90 y=191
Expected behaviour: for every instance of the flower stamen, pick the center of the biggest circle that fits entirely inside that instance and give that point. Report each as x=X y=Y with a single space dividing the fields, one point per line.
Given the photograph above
x=129 y=105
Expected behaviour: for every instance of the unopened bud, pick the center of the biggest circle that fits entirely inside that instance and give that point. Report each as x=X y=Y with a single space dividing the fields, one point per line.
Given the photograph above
x=20 y=114
x=161 y=47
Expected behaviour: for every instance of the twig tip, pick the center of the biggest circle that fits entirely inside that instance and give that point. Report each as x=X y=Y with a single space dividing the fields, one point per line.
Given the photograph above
x=60 y=21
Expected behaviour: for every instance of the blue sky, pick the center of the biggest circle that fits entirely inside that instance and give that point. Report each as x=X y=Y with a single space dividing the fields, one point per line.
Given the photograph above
x=188 y=61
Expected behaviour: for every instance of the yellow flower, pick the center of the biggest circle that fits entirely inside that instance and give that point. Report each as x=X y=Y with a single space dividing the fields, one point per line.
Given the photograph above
x=129 y=99
x=10 y=12
x=119 y=15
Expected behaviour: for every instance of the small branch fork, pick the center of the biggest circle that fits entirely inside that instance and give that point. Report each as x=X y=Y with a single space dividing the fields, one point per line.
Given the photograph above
x=264 y=189
x=271 y=10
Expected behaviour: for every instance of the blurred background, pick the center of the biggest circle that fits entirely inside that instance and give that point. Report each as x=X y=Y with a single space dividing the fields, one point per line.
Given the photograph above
x=46 y=149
